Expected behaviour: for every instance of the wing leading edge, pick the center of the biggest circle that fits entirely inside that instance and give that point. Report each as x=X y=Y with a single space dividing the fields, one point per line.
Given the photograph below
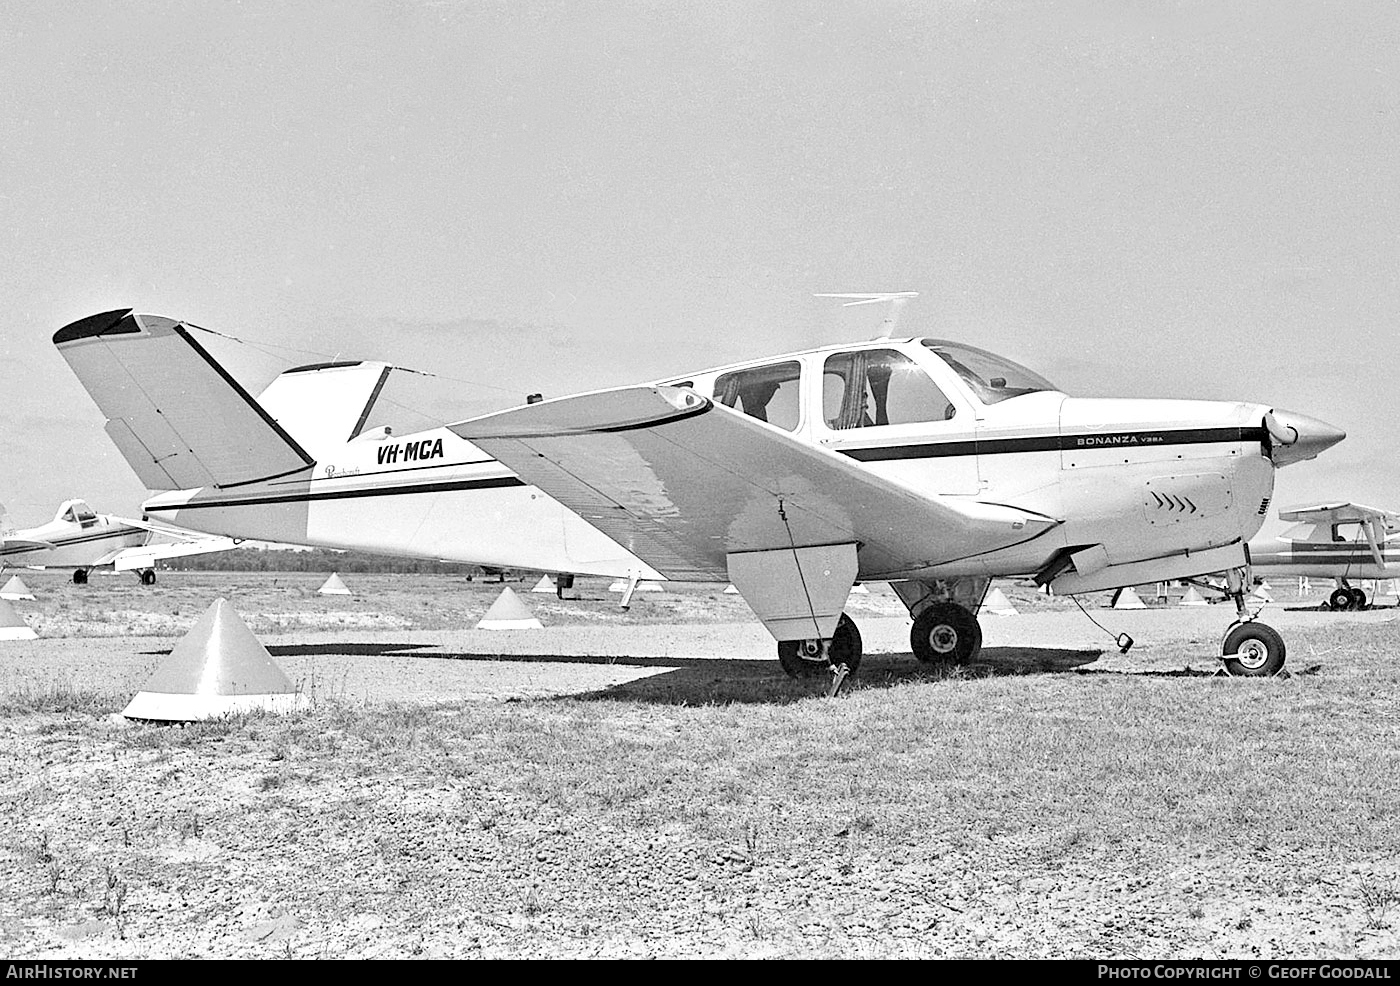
x=683 y=483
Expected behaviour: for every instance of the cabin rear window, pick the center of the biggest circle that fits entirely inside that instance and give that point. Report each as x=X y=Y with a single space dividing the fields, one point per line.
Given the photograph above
x=768 y=393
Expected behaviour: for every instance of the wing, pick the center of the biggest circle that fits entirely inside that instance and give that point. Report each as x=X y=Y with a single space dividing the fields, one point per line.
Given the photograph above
x=1339 y=513
x=167 y=542
x=1373 y=521
x=683 y=482
x=177 y=417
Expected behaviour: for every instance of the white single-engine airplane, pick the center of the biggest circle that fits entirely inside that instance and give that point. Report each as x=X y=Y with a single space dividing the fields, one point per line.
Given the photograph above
x=80 y=539
x=929 y=464
x=1340 y=541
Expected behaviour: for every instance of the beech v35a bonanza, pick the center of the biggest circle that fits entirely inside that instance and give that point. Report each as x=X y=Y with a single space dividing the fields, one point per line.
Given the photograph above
x=1341 y=541
x=932 y=465
x=82 y=540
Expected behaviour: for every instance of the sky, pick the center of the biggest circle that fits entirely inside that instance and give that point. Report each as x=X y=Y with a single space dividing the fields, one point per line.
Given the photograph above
x=1189 y=199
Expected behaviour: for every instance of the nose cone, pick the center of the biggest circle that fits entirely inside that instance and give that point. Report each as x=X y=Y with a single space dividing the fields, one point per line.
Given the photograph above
x=1297 y=437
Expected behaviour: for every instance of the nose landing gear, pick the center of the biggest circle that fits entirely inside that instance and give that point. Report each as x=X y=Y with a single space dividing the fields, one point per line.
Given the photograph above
x=1250 y=649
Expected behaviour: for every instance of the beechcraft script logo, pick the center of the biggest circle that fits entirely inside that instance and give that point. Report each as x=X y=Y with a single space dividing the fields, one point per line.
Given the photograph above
x=428 y=448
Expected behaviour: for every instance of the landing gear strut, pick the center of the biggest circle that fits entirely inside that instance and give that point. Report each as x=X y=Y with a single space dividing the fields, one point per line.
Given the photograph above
x=1250 y=649
x=1347 y=597
x=809 y=658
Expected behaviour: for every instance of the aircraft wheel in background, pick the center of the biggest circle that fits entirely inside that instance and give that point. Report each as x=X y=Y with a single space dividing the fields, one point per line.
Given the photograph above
x=80 y=576
x=148 y=576
x=807 y=658
x=1358 y=598
x=1253 y=650
x=1340 y=599
x=945 y=633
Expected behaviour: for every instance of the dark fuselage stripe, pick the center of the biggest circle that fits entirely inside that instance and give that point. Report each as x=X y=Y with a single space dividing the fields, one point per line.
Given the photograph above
x=1056 y=443
x=80 y=539
x=443 y=487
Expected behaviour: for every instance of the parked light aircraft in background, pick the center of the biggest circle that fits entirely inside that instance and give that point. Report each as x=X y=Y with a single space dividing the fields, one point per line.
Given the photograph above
x=1341 y=541
x=80 y=539
x=929 y=464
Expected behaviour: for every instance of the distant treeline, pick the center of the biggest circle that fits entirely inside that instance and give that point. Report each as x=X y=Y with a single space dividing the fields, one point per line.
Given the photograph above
x=316 y=560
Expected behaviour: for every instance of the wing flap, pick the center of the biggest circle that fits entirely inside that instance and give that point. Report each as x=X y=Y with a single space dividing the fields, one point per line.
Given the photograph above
x=683 y=483
x=176 y=416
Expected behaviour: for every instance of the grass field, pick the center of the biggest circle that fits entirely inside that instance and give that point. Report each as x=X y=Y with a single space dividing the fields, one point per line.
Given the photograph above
x=978 y=814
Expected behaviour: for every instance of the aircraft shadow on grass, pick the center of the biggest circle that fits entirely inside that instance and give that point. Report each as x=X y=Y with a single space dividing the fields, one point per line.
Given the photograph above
x=699 y=681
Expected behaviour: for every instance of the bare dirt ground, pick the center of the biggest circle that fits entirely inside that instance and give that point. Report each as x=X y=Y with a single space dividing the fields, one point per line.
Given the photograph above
x=648 y=784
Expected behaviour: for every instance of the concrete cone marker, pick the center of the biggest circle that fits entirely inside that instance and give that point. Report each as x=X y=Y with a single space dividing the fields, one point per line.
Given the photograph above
x=859 y=589
x=1128 y=599
x=12 y=625
x=1262 y=592
x=16 y=589
x=1192 y=598
x=545 y=584
x=508 y=613
x=731 y=591
x=217 y=668
x=334 y=586
x=997 y=604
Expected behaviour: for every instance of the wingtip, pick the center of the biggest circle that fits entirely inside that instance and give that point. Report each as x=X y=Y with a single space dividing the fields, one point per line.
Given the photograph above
x=103 y=323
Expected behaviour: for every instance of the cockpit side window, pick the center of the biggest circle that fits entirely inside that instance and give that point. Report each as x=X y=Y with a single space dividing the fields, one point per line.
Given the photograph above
x=82 y=515
x=991 y=378
x=768 y=393
x=870 y=388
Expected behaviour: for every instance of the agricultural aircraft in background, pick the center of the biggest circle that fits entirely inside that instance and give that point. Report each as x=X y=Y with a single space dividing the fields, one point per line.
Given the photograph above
x=82 y=539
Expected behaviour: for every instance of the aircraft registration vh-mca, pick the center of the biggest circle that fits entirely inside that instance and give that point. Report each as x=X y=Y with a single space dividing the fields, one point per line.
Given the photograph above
x=929 y=464
x=82 y=539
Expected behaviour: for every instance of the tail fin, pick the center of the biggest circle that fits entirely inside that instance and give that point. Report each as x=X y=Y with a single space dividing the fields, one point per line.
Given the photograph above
x=177 y=416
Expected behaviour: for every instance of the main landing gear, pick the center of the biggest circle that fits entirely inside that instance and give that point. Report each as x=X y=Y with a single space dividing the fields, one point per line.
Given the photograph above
x=945 y=633
x=1347 y=597
x=1250 y=649
x=810 y=658
x=80 y=576
x=148 y=576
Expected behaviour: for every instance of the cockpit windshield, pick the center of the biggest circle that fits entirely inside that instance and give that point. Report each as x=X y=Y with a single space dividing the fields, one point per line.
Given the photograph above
x=991 y=378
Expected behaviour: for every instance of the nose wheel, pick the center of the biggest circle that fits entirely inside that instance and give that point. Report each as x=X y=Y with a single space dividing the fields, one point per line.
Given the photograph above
x=1253 y=650
x=813 y=657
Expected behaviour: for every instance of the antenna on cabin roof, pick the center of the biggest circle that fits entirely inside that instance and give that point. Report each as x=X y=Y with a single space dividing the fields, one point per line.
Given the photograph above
x=897 y=300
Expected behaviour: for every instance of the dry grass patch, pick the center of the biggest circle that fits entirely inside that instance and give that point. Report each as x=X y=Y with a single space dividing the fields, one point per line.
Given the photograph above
x=1052 y=814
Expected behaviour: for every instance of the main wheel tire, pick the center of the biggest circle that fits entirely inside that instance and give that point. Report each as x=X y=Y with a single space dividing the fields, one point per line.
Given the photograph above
x=809 y=658
x=80 y=576
x=945 y=633
x=1358 y=598
x=1254 y=650
x=148 y=577
x=1340 y=599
